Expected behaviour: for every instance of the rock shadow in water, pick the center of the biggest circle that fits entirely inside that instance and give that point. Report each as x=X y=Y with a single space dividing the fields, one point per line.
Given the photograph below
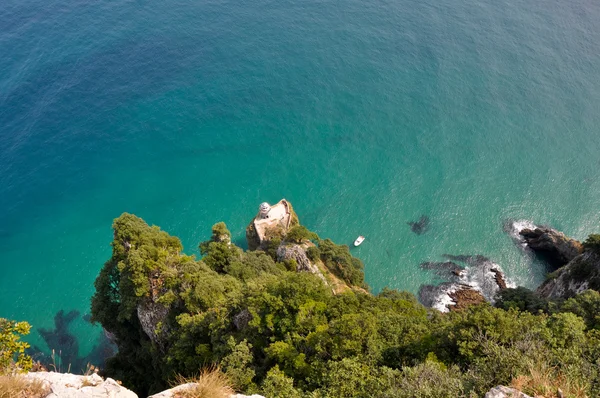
x=421 y=226
x=447 y=270
x=66 y=346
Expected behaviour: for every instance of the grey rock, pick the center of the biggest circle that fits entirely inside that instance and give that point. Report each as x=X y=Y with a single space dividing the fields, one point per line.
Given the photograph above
x=66 y=385
x=171 y=393
x=151 y=314
x=505 y=392
x=297 y=253
x=580 y=274
x=241 y=319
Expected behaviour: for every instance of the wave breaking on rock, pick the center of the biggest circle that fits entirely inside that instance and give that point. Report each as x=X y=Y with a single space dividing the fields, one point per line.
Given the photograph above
x=478 y=276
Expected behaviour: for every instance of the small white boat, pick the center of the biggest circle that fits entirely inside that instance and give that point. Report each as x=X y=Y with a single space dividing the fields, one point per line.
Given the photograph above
x=359 y=240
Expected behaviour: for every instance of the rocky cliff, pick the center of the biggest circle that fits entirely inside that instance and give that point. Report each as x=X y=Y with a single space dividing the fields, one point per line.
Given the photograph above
x=581 y=273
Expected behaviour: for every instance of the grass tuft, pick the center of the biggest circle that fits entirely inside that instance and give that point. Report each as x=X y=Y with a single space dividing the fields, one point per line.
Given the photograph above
x=211 y=383
x=15 y=386
x=546 y=382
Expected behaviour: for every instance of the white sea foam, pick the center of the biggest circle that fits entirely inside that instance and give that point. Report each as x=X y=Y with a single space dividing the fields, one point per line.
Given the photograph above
x=443 y=300
x=515 y=227
x=477 y=276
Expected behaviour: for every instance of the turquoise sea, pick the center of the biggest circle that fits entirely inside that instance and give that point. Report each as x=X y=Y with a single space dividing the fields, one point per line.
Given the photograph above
x=364 y=114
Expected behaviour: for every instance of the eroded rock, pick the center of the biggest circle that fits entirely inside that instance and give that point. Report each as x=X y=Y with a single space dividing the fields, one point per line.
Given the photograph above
x=580 y=274
x=555 y=246
x=152 y=317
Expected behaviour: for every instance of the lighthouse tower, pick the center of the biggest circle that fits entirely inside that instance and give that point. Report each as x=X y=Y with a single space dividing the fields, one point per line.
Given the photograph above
x=263 y=210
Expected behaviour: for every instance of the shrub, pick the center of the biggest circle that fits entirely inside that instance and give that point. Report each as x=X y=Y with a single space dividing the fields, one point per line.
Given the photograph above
x=337 y=259
x=313 y=253
x=278 y=385
x=592 y=243
x=430 y=379
x=300 y=233
x=521 y=298
x=12 y=351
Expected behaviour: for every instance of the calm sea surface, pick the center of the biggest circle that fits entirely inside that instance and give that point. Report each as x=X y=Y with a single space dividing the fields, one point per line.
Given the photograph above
x=364 y=114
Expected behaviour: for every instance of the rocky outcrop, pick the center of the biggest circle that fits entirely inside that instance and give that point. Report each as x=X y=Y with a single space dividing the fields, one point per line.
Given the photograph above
x=556 y=247
x=271 y=223
x=173 y=392
x=290 y=251
x=581 y=273
x=505 y=392
x=499 y=278
x=296 y=252
x=152 y=317
x=66 y=385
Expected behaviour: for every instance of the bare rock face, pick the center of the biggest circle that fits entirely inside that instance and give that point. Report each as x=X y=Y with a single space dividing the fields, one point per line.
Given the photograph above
x=242 y=319
x=555 y=246
x=580 y=274
x=151 y=315
x=172 y=393
x=505 y=392
x=66 y=385
x=297 y=253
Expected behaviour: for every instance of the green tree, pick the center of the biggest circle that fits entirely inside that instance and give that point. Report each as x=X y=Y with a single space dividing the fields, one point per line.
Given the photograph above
x=237 y=364
x=522 y=299
x=300 y=233
x=278 y=385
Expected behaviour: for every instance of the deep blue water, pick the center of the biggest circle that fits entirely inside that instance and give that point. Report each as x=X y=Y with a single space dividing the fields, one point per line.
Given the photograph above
x=364 y=114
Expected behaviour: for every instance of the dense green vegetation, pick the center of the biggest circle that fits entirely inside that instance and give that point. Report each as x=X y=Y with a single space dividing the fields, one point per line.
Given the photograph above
x=592 y=243
x=284 y=333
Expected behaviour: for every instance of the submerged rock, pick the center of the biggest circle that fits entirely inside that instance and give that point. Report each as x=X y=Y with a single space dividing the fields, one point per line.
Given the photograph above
x=421 y=226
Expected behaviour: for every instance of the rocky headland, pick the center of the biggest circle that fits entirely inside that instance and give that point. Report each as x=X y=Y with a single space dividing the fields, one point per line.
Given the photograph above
x=575 y=265
x=554 y=246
